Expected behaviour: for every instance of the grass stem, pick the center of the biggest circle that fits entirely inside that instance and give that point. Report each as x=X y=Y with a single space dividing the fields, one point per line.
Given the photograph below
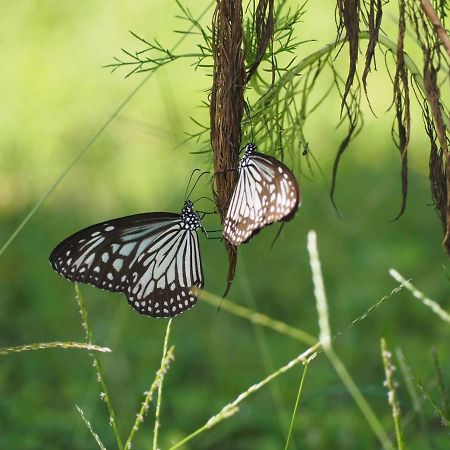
x=88 y=424
x=104 y=395
x=58 y=344
x=391 y=386
x=165 y=363
x=339 y=367
x=297 y=401
x=91 y=142
x=232 y=408
x=160 y=386
x=257 y=318
x=433 y=305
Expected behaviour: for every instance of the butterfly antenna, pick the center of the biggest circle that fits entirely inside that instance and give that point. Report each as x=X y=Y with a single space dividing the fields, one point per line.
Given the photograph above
x=189 y=182
x=196 y=182
x=249 y=116
x=207 y=198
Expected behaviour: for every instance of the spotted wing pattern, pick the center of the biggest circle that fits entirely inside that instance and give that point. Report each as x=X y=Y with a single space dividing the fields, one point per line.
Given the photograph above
x=266 y=192
x=153 y=258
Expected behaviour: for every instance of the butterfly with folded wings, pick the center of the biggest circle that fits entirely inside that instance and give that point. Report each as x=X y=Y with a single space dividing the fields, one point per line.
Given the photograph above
x=266 y=192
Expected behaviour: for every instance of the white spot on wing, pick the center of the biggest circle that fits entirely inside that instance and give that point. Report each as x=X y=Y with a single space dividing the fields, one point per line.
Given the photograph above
x=118 y=264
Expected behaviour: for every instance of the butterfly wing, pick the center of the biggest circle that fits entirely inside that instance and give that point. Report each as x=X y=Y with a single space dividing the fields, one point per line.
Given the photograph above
x=266 y=192
x=119 y=255
x=284 y=193
x=164 y=275
x=248 y=205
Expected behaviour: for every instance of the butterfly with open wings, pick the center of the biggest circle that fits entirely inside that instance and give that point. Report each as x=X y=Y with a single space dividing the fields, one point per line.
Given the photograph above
x=154 y=258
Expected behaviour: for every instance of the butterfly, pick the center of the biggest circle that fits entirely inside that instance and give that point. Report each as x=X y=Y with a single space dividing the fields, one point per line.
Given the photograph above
x=266 y=192
x=153 y=258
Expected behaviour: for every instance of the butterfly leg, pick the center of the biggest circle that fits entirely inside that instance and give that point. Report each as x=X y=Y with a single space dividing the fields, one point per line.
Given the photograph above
x=205 y=213
x=278 y=234
x=212 y=231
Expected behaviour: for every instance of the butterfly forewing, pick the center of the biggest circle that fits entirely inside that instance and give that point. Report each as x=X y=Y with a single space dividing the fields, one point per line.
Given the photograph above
x=266 y=192
x=153 y=258
x=248 y=206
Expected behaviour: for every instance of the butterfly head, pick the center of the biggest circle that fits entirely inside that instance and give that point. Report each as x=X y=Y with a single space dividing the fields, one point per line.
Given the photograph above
x=249 y=150
x=189 y=218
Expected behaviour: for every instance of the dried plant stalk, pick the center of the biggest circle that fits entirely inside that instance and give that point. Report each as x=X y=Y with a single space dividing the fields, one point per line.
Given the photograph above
x=227 y=106
x=349 y=20
x=264 y=33
x=435 y=123
x=402 y=105
x=374 y=19
x=437 y=24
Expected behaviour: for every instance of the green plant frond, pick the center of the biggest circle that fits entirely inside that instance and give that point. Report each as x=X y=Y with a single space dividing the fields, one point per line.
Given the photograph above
x=154 y=54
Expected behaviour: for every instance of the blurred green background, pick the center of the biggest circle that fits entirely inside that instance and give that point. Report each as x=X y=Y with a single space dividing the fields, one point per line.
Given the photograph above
x=55 y=96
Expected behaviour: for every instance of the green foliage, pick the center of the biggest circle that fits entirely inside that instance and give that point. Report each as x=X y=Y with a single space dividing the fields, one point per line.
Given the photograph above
x=219 y=371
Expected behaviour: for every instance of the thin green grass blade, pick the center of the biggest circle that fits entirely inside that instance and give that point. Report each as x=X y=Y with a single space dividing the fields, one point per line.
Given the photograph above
x=160 y=386
x=104 y=395
x=297 y=401
x=433 y=305
x=88 y=424
x=91 y=142
x=325 y=340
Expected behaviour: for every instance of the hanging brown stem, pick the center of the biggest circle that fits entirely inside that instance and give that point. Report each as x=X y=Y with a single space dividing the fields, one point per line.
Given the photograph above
x=264 y=32
x=437 y=25
x=349 y=21
x=374 y=21
x=435 y=123
x=402 y=105
x=227 y=105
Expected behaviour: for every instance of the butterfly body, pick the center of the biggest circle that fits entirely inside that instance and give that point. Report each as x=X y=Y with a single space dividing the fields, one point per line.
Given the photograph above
x=154 y=258
x=266 y=192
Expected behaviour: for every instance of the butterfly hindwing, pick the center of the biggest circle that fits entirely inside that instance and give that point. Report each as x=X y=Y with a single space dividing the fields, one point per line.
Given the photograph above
x=266 y=192
x=154 y=258
x=284 y=193
x=163 y=276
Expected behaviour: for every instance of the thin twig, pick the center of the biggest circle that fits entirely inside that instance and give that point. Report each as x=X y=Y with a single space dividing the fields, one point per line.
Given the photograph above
x=437 y=25
x=46 y=345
